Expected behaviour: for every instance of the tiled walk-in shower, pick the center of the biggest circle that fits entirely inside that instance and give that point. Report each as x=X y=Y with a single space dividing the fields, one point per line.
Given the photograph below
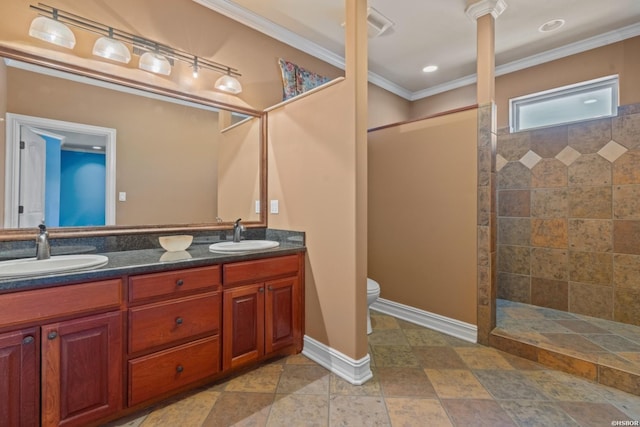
x=597 y=349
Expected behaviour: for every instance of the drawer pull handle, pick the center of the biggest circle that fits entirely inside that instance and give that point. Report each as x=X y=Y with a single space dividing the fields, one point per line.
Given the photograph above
x=28 y=340
x=179 y=282
x=52 y=335
x=179 y=368
x=179 y=320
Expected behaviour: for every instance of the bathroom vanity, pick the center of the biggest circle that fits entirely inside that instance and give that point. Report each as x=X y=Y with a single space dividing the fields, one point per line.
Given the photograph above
x=87 y=347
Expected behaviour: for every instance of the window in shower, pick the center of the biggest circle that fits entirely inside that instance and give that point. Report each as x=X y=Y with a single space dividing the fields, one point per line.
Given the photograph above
x=582 y=101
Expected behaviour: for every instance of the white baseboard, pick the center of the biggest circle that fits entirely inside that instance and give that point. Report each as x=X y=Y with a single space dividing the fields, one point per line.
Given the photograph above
x=357 y=372
x=456 y=328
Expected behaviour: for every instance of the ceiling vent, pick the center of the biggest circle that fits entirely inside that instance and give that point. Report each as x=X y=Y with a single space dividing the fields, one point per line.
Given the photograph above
x=378 y=23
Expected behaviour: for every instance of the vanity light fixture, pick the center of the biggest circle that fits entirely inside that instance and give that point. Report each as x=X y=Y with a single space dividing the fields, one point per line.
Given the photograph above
x=52 y=30
x=155 y=57
x=155 y=63
x=228 y=83
x=195 y=67
x=109 y=48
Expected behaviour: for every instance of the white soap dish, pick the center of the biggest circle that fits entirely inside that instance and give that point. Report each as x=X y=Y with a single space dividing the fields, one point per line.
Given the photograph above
x=175 y=243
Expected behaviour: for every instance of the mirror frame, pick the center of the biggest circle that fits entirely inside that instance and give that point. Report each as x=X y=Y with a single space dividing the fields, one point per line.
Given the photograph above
x=73 y=232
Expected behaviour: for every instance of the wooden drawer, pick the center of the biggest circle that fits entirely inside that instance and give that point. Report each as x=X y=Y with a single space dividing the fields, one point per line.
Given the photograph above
x=172 y=283
x=153 y=325
x=44 y=304
x=254 y=271
x=161 y=372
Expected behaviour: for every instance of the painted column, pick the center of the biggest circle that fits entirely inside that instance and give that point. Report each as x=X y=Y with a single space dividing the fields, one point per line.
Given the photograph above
x=485 y=13
x=356 y=73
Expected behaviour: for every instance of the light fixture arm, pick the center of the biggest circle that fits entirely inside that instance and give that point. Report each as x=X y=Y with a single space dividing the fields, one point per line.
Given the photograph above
x=139 y=44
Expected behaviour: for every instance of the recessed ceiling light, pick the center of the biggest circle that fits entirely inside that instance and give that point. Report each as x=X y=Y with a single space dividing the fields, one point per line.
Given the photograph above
x=590 y=101
x=552 y=25
x=429 y=68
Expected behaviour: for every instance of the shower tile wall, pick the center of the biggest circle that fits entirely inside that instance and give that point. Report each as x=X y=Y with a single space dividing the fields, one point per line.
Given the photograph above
x=569 y=217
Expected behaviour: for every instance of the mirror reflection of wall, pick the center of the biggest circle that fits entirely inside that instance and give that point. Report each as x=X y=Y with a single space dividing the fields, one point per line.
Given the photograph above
x=168 y=153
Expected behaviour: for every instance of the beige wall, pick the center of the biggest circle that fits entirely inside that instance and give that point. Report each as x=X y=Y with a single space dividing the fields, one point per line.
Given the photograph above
x=317 y=169
x=311 y=174
x=446 y=101
x=618 y=58
x=385 y=107
x=238 y=172
x=166 y=154
x=422 y=214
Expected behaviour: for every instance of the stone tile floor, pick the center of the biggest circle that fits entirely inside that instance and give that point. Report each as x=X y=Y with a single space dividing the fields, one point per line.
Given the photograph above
x=587 y=338
x=421 y=378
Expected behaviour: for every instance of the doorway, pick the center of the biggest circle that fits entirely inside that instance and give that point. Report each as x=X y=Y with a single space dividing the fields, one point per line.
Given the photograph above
x=61 y=172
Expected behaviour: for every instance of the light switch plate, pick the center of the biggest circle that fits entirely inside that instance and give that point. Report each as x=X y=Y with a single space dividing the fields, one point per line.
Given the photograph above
x=122 y=196
x=274 y=207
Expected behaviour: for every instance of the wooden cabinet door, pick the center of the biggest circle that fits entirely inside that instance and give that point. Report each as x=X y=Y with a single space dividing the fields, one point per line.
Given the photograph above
x=81 y=370
x=282 y=315
x=243 y=325
x=19 y=373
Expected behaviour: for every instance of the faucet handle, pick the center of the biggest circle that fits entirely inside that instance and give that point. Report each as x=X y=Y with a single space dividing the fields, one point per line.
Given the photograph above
x=42 y=227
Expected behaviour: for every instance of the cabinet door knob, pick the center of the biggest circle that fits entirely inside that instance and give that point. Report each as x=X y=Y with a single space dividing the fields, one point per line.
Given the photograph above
x=261 y=290
x=52 y=335
x=179 y=368
x=270 y=287
x=28 y=340
x=179 y=320
x=179 y=282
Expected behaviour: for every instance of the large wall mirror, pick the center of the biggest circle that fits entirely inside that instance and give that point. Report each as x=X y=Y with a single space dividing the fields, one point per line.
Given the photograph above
x=94 y=155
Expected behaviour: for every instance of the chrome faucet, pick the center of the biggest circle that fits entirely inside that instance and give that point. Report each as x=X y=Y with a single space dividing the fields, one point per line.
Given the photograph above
x=237 y=230
x=43 y=250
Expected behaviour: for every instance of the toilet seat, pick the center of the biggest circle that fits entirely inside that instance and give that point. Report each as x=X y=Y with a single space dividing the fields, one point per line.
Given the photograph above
x=372 y=286
x=373 y=292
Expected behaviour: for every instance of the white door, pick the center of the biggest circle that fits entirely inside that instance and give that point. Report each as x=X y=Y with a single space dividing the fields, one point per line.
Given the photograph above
x=32 y=178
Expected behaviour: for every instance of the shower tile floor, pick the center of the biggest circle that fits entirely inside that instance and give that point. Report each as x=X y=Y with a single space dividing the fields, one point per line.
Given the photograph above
x=421 y=378
x=605 y=344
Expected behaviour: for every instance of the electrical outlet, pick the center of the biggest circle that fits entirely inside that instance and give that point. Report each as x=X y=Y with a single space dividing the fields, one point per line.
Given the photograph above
x=274 y=208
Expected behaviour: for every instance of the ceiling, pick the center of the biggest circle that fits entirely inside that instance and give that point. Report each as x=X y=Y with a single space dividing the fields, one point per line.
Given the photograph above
x=439 y=32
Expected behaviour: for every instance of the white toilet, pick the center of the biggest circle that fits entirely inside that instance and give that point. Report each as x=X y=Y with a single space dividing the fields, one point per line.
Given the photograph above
x=373 y=292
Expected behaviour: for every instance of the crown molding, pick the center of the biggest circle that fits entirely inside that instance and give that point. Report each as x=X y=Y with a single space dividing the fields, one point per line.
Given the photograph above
x=252 y=20
x=541 y=58
x=273 y=30
x=392 y=87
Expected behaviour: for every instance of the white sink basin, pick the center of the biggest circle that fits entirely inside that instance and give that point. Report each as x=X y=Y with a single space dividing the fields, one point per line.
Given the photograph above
x=56 y=264
x=243 y=246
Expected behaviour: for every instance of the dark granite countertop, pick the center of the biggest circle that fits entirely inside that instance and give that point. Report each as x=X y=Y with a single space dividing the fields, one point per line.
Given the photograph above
x=145 y=261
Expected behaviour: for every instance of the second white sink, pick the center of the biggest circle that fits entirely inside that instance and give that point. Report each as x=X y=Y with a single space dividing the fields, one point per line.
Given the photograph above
x=243 y=246
x=26 y=267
